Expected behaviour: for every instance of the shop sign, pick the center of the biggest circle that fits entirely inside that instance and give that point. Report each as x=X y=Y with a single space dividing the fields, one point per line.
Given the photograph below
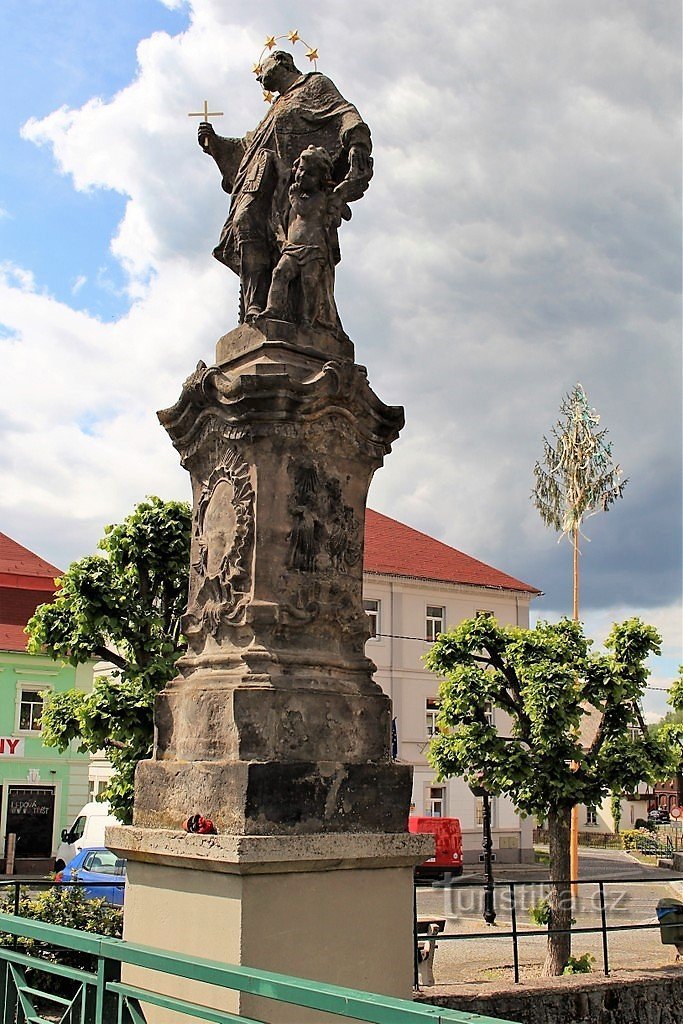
x=11 y=747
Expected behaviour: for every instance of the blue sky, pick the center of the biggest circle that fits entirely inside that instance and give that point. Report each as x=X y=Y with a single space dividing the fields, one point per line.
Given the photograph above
x=62 y=53
x=521 y=233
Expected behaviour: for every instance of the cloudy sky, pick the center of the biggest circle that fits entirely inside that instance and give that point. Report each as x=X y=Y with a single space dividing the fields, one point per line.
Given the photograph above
x=521 y=233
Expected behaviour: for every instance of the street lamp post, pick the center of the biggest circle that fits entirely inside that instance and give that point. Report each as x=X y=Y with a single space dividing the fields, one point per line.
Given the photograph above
x=487 y=846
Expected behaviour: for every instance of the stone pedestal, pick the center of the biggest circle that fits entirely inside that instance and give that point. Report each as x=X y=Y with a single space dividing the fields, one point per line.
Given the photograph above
x=327 y=907
x=275 y=725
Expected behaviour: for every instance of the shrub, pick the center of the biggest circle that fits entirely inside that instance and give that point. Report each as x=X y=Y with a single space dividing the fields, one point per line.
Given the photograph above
x=631 y=837
x=70 y=908
x=579 y=964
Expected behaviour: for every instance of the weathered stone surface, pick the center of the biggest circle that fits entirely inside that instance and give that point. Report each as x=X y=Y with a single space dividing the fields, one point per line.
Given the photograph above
x=257 y=723
x=655 y=997
x=268 y=854
x=275 y=724
x=275 y=797
x=275 y=343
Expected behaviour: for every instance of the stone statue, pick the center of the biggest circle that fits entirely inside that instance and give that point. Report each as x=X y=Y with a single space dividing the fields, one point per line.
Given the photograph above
x=294 y=230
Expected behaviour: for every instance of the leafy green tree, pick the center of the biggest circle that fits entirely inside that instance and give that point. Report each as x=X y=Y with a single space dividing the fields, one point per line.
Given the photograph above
x=122 y=606
x=670 y=729
x=549 y=685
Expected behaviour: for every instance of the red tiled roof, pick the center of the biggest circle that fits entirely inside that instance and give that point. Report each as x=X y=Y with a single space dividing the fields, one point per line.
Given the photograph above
x=12 y=638
x=16 y=560
x=397 y=550
x=26 y=580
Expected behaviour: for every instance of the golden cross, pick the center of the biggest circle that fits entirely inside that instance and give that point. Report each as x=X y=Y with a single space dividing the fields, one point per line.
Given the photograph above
x=206 y=114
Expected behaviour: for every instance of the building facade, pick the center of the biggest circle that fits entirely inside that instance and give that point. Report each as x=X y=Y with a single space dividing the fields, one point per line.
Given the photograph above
x=416 y=587
x=41 y=790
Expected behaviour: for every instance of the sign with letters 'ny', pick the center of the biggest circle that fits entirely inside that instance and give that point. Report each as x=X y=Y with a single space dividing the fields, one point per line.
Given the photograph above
x=11 y=747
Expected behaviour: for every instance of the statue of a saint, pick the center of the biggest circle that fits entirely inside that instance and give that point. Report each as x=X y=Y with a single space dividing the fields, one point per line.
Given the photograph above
x=258 y=171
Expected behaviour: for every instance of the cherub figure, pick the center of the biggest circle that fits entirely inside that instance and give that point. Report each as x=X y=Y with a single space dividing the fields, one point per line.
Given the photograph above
x=316 y=209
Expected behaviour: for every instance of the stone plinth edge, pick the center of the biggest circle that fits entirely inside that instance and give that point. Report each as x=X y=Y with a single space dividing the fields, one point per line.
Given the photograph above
x=234 y=854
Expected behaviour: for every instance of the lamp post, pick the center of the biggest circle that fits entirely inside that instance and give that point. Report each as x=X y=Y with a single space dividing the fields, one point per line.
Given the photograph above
x=487 y=845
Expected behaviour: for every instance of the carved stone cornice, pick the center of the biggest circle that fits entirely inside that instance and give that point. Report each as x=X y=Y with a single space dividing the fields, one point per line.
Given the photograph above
x=257 y=404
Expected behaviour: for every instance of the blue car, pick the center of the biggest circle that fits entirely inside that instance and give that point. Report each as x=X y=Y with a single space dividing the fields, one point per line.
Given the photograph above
x=97 y=864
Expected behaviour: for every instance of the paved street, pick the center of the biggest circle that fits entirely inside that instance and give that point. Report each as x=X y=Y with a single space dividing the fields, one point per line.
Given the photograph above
x=490 y=957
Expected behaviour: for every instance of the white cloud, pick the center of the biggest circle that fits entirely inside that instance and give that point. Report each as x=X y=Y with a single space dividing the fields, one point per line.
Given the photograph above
x=521 y=233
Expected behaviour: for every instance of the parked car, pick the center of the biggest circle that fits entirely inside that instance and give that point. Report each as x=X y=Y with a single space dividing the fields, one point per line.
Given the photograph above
x=659 y=816
x=87 y=831
x=97 y=865
x=447 y=859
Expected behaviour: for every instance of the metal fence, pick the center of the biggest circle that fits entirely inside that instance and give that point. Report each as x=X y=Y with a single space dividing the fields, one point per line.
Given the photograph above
x=518 y=936
x=99 y=996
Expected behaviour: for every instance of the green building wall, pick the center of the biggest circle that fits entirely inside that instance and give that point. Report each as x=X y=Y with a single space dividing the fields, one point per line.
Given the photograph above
x=32 y=776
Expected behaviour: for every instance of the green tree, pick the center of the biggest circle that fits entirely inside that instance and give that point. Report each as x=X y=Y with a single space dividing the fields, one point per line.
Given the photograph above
x=670 y=729
x=548 y=683
x=122 y=606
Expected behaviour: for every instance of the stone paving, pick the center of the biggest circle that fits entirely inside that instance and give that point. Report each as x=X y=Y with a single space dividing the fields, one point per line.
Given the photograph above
x=488 y=957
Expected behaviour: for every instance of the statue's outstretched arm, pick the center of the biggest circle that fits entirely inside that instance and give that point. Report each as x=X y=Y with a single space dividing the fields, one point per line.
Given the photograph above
x=227 y=153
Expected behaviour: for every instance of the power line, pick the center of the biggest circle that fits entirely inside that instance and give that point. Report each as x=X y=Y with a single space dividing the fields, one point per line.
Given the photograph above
x=424 y=640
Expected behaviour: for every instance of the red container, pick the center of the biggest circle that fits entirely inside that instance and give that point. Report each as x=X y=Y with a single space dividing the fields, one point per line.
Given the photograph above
x=448 y=853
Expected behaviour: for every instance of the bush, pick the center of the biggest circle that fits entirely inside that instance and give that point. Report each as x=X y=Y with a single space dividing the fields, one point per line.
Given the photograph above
x=631 y=837
x=579 y=964
x=70 y=908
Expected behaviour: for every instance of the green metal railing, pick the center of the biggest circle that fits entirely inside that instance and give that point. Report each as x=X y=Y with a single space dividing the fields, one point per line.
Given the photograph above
x=100 y=997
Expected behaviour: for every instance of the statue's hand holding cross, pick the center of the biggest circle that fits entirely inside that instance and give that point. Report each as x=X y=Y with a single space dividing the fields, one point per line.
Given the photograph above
x=205 y=130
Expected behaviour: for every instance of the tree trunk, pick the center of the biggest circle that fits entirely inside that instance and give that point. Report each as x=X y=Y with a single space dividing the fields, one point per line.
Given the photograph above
x=559 y=896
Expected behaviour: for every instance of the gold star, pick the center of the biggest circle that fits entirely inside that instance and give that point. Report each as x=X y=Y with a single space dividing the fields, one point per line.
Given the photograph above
x=268 y=97
x=270 y=42
x=257 y=69
x=293 y=36
x=312 y=54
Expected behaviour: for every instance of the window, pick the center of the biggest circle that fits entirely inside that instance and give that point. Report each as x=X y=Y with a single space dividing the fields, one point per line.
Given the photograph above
x=78 y=828
x=436 y=802
x=372 y=610
x=434 y=622
x=479 y=810
x=30 y=710
x=488 y=712
x=591 y=816
x=95 y=788
x=432 y=706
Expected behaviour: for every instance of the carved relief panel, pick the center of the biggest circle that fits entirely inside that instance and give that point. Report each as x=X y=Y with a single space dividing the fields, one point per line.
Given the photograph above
x=222 y=546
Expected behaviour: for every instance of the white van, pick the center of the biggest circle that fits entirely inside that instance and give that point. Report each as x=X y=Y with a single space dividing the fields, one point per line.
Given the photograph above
x=87 y=830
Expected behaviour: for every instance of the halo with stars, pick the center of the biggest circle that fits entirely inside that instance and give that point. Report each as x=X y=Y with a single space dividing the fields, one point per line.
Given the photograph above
x=270 y=44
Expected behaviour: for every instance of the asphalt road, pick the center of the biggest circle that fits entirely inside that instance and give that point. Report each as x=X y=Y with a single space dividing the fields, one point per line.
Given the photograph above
x=630 y=898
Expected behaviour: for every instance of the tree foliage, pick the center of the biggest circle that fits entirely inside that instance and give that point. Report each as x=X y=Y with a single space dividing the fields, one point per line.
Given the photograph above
x=549 y=683
x=122 y=606
x=568 y=740
x=670 y=728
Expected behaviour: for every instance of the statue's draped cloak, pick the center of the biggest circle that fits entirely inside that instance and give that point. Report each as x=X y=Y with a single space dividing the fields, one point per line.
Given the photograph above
x=311 y=112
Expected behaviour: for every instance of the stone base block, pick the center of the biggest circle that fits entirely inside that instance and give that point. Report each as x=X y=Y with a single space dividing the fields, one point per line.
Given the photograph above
x=261 y=723
x=275 y=798
x=332 y=908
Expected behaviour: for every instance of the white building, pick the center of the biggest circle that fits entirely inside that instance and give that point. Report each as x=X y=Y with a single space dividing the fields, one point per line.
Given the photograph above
x=414 y=588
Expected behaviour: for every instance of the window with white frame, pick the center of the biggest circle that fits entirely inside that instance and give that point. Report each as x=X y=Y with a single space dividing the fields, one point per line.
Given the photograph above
x=434 y=622
x=479 y=810
x=432 y=707
x=373 y=612
x=591 y=816
x=30 y=711
x=436 y=802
